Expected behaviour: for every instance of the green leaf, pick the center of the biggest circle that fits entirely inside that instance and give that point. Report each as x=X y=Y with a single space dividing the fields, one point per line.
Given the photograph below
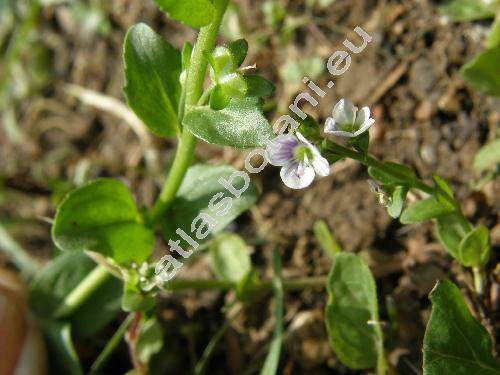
x=445 y=188
x=450 y=232
x=393 y=173
x=454 y=342
x=482 y=72
x=424 y=210
x=150 y=340
x=488 y=156
x=62 y=355
x=202 y=195
x=229 y=257
x=467 y=10
x=443 y=185
x=362 y=142
x=195 y=13
x=258 y=86
x=234 y=85
x=59 y=278
x=325 y=239
x=239 y=50
x=152 y=85
x=101 y=216
x=272 y=361
x=99 y=310
x=241 y=124
x=474 y=248
x=218 y=98
x=494 y=37
x=397 y=201
x=352 y=305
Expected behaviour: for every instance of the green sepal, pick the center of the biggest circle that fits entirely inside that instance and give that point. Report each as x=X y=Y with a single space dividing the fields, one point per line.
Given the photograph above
x=239 y=50
x=218 y=98
x=258 y=86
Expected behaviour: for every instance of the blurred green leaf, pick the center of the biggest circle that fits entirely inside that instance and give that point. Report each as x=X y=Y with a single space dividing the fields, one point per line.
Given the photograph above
x=274 y=12
x=101 y=216
x=195 y=13
x=59 y=278
x=352 y=305
x=395 y=174
x=397 y=201
x=325 y=239
x=474 y=248
x=454 y=342
x=467 y=10
x=482 y=72
x=241 y=124
x=202 y=195
x=450 y=232
x=272 y=361
x=152 y=86
x=488 y=156
x=294 y=71
x=424 y=210
x=494 y=37
x=150 y=339
x=229 y=257
x=258 y=86
x=62 y=355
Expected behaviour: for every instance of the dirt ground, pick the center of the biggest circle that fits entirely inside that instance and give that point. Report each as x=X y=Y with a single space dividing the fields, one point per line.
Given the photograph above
x=426 y=118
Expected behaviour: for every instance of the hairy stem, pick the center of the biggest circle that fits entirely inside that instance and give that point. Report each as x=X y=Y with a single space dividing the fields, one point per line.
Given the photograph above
x=193 y=92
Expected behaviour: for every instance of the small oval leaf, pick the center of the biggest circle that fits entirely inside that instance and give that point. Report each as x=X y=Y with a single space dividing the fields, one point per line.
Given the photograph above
x=241 y=124
x=101 y=216
x=152 y=84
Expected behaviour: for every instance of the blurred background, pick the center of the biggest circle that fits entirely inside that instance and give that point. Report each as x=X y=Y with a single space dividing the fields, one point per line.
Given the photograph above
x=63 y=122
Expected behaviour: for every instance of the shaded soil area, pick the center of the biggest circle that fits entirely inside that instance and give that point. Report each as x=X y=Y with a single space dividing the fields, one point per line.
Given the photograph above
x=426 y=118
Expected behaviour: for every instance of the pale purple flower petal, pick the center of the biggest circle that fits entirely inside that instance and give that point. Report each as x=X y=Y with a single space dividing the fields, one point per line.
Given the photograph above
x=344 y=112
x=321 y=166
x=341 y=124
x=367 y=125
x=279 y=151
x=362 y=116
x=297 y=175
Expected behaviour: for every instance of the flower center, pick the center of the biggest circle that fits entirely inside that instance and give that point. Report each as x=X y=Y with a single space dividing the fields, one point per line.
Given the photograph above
x=302 y=153
x=351 y=128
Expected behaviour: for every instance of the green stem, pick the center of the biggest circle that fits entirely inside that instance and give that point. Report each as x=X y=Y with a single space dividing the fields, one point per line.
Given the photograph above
x=27 y=265
x=479 y=279
x=111 y=345
x=193 y=91
x=82 y=292
x=369 y=161
x=264 y=285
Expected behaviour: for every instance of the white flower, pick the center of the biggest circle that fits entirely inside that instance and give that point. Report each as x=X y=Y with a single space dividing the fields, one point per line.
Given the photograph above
x=346 y=121
x=299 y=159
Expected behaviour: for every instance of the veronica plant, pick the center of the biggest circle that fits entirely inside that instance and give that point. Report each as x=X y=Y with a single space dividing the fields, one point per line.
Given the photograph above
x=101 y=220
